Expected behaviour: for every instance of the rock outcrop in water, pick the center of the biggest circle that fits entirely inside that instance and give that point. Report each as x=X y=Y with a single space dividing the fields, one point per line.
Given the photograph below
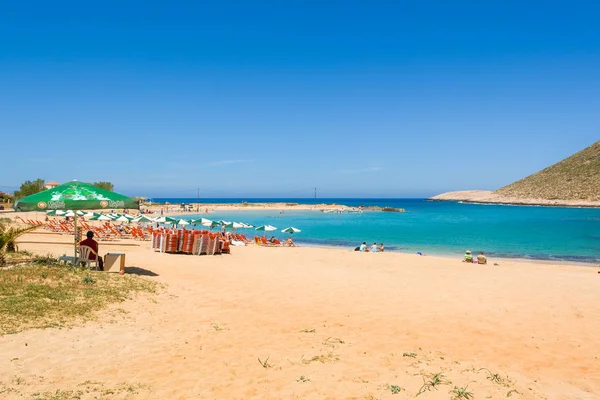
x=574 y=181
x=392 y=209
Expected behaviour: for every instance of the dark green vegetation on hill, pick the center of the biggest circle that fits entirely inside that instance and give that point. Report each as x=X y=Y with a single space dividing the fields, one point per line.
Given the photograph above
x=575 y=178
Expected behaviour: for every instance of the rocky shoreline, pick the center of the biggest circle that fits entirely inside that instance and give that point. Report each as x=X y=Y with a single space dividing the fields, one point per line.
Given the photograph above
x=488 y=197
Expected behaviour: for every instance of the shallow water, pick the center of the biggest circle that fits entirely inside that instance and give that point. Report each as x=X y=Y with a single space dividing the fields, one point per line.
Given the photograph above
x=439 y=228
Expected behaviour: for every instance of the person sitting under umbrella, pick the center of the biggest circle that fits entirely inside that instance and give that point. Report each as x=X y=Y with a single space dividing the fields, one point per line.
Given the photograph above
x=91 y=243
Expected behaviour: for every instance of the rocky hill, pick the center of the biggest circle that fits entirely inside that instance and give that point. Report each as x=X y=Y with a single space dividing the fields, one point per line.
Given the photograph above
x=574 y=181
x=574 y=178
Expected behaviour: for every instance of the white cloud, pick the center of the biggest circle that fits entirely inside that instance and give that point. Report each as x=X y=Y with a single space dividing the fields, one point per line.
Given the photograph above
x=227 y=162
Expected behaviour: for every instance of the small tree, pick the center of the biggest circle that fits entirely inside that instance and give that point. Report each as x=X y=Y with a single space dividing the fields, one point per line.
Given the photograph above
x=8 y=236
x=29 y=187
x=104 y=185
x=5 y=197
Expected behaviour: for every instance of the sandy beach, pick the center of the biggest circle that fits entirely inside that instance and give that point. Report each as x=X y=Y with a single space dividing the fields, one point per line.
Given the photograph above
x=204 y=208
x=325 y=324
x=196 y=208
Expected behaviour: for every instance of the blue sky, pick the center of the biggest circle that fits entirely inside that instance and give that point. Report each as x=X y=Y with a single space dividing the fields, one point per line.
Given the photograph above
x=271 y=98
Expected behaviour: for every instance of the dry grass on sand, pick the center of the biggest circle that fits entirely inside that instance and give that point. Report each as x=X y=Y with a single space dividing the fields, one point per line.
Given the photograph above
x=43 y=296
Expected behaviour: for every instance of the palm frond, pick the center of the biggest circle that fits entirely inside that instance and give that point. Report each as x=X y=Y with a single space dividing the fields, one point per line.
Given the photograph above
x=10 y=234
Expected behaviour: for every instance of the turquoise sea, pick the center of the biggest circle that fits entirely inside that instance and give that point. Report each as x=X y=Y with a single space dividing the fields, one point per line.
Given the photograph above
x=436 y=228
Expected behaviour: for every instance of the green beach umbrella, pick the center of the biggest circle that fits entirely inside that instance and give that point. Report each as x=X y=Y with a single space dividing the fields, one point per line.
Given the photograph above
x=101 y=217
x=74 y=195
x=202 y=221
x=234 y=225
x=55 y=212
x=266 y=228
x=165 y=220
x=210 y=224
x=291 y=230
x=142 y=218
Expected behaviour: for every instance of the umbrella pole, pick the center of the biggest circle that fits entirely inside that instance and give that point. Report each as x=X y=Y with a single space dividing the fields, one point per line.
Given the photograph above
x=75 y=237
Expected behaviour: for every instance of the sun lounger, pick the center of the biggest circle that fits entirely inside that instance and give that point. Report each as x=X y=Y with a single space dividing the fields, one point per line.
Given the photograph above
x=205 y=243
x=265 y=242
x=225 y=249
x=197 y=247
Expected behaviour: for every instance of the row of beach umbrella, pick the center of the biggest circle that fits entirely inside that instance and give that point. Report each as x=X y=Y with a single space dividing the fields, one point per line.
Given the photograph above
x=94 y=216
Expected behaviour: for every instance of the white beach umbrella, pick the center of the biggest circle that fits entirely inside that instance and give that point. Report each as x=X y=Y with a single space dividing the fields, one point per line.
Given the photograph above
x=204 y=221
x=164 y=219
x=237 y=225
x=266 y=228
x=291 y=230
x=211 y=224
x=122 y=218
x=182 y=222
x=234 y=225
x=102 y=217
x=142 y=218
x=55 y=212
x=69 y=213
